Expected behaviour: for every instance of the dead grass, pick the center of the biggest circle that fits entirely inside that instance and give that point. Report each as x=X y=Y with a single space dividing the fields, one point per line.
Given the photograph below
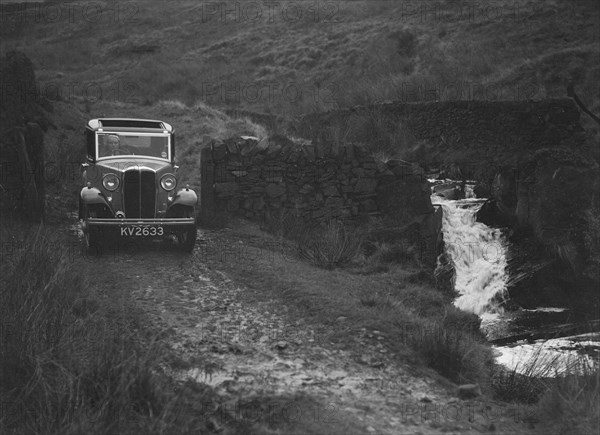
x=70 y=363
x=568 y=400
x=353 y=52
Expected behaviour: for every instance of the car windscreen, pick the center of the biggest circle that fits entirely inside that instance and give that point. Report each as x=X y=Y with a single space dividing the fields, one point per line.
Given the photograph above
x=133 y=144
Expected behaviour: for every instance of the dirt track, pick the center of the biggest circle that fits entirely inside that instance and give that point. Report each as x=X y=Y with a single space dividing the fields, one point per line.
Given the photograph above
x=244 y=349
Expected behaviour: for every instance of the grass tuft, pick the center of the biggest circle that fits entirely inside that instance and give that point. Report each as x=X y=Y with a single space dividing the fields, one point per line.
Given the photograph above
x=331 y=246
x=568 y=400
x=69 y=363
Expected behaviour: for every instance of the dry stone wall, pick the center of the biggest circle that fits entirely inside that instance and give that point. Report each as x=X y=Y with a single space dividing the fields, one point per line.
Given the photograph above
x=257 y=180
x=22 y=123
x=478 y=136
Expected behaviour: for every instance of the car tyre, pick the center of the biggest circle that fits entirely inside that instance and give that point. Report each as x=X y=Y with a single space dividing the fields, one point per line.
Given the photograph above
x=93 y=239
x=92 y=242
x=187 y=239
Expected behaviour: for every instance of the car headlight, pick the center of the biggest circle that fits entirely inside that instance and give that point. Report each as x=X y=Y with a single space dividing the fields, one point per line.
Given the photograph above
x=168 y=182
x=110 y=182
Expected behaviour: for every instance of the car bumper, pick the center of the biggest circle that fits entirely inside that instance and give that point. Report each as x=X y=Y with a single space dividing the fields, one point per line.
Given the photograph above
x=165 y=222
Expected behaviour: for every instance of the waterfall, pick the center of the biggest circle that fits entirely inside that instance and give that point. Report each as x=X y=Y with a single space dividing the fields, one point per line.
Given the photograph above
x=479 y=254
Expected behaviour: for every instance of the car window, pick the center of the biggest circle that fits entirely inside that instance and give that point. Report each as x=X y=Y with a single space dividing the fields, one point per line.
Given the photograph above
x=113 y=144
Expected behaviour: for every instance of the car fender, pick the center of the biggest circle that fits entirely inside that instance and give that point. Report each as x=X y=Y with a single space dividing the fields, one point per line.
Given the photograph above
x=185 y=197
x=91 y=195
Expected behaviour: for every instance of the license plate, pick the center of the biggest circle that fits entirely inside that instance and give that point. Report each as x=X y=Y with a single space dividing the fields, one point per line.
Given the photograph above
x=142 y=230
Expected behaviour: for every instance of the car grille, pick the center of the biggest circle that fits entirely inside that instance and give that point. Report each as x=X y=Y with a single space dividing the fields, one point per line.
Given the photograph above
x=139 y=194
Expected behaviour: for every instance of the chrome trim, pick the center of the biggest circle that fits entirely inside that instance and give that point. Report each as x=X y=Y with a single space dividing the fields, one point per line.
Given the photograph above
x=114 y=175
x=132 y=156
x=168 y=174
x=146 y=221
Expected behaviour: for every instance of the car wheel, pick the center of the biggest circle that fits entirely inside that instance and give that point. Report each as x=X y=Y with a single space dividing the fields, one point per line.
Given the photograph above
x=187 y=239
x=93 y=239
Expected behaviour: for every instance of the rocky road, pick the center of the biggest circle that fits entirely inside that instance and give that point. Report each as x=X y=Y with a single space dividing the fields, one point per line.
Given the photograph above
x=244 y=349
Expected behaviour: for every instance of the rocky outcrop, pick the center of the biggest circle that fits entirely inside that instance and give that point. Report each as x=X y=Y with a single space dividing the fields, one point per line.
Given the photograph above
x=22 y=123
x=546 y=200
x=555 y=188
x=549 y=194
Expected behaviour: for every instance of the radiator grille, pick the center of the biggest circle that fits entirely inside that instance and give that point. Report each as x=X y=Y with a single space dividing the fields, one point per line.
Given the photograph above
x=139 y=194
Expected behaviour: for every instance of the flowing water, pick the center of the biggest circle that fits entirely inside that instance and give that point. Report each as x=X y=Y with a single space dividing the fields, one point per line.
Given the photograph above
x=479 y=253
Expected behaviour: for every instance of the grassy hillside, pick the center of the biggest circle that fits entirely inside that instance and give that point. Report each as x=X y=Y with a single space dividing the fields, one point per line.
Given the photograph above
x=294 y=58
x=185 y=61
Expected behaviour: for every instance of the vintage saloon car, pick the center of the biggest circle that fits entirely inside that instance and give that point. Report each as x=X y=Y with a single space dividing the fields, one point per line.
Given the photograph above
x=130 y=187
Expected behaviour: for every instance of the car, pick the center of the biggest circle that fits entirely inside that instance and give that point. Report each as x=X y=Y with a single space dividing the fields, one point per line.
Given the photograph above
x=130 y=184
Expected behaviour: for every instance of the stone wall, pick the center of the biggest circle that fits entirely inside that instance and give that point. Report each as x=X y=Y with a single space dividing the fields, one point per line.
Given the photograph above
x=22 y=125
x=476 y=135
x=261 y=181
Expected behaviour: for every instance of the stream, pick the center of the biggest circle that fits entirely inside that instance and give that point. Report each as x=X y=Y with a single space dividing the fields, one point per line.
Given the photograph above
x=479 y=253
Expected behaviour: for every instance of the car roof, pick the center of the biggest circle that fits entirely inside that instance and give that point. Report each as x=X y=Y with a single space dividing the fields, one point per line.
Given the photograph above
x=129 y=124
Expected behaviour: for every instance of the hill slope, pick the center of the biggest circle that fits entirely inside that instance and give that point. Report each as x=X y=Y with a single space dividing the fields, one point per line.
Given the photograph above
x=297 y=57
